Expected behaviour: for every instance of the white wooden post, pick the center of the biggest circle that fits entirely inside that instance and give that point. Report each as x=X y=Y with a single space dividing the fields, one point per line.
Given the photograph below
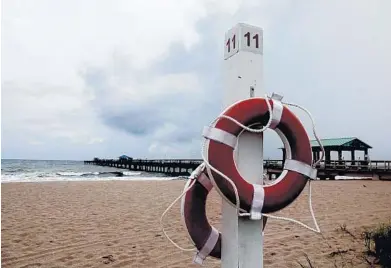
x=243 y=70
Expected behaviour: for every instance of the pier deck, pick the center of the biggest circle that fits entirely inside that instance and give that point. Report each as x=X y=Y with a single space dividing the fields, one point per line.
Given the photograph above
x=377 y=169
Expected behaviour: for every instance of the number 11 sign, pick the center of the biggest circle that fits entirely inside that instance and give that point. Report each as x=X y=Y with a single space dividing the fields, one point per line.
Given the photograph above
x=243 y=37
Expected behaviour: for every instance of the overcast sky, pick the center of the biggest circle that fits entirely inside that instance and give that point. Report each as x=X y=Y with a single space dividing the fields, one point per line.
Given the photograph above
x=104 y=78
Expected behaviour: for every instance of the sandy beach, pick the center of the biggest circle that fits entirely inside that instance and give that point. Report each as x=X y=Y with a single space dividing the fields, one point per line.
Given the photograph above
x=116 y=224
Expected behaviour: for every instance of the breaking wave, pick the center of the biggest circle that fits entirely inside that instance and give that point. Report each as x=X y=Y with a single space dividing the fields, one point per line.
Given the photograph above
x=99 y=174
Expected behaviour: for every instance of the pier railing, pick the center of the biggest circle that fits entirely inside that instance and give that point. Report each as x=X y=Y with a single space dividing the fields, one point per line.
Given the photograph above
x=340 y=164
x=183 y=167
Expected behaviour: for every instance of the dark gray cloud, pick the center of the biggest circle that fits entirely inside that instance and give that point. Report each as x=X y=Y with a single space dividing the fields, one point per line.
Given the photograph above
x=187 y=112
x=143 y=119
x=183 y=113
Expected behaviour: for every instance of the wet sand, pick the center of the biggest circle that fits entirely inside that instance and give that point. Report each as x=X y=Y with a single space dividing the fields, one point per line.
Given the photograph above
x=116 y=224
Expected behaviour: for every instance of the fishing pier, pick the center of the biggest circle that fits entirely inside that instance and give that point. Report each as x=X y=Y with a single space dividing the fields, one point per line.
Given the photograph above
x=170 y=167
x=327 y=169
x=375 y=169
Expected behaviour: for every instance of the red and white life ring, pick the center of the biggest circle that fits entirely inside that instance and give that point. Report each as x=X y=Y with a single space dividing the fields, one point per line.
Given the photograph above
x=222 y=138
x=205 y=237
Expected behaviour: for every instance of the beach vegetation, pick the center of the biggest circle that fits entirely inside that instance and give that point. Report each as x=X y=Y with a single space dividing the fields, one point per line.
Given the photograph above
x=378 y=244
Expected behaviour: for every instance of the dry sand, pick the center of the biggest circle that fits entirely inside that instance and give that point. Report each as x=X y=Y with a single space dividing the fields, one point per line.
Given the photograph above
x=116 y=224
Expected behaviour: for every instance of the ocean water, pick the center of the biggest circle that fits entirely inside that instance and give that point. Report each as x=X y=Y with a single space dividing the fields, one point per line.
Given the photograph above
x=55 y=170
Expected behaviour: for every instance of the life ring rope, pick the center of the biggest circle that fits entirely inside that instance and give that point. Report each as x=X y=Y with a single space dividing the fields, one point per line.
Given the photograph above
x=254 y=130
x=227 y=138
x=201 y=255
x=209 y=166
x=193 y=181
x=301 y=168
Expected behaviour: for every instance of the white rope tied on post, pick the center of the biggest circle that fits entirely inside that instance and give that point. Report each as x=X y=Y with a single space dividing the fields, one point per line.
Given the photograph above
x=240 y=211
x=210 y=167
x=168 y=208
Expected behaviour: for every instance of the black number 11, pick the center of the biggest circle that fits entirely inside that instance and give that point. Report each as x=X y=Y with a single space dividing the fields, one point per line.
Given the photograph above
x=255 y=37
x=228 y=44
